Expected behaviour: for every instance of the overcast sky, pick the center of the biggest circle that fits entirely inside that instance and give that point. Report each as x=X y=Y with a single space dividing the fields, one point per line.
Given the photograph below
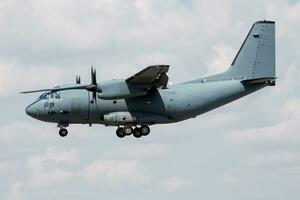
x=249 y=149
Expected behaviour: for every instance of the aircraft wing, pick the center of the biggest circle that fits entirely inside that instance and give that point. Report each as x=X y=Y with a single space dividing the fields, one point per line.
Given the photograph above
x=137 y=85
x=153 y=76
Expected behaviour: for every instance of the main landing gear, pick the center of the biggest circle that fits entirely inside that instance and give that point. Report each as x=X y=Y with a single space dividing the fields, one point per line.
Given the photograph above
x=137 y=132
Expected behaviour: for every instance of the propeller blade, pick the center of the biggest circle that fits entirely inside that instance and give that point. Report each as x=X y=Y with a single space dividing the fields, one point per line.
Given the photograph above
x=93 y=74
x=93 y=87
x=78 y=79
x=34 y=91
x=83 y=87
x=95 y=96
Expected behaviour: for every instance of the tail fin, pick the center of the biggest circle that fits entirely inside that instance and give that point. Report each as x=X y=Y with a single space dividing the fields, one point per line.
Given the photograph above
x=256 y=57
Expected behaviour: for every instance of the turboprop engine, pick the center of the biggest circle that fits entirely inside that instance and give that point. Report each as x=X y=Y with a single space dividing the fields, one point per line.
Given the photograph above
x=119 y=89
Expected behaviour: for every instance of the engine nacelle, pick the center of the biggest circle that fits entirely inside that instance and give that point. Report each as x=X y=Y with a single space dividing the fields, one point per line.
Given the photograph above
x=119 y=89
x=122 y=118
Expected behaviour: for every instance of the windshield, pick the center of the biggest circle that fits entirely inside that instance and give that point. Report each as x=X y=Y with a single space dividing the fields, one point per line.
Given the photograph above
x=44 y=95
x=50 y=95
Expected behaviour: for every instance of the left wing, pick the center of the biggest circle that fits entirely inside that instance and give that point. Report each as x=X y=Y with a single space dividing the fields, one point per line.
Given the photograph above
x=153 y=76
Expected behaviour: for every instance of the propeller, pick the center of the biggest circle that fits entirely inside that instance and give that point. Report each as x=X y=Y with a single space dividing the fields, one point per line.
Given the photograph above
x=78 y=79
x=93 y=87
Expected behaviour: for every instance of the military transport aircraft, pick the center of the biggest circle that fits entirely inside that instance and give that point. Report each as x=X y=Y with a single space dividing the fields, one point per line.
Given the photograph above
x=145 y=99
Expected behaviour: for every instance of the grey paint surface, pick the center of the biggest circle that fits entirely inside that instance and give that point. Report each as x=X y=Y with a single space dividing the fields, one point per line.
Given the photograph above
x=73 y=104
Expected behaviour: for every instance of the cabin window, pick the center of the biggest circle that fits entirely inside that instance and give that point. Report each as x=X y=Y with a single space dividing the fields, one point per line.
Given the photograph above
x=114 y=101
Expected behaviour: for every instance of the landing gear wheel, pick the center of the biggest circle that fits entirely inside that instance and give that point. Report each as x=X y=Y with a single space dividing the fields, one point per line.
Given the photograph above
x=120 y=133
x=63 y=132
x=145 y=130
x=128 y=130
x=137 y=132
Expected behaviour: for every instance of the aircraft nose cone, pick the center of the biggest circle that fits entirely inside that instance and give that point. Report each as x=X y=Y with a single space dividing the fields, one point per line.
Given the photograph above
x=29 y=111
x=32 y=111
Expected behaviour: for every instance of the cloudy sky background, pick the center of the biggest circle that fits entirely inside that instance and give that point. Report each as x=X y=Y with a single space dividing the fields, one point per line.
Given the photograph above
x=249 y=149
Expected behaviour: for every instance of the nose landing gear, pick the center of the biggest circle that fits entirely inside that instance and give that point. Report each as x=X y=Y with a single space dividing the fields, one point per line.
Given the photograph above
x=137 y=132
x=63 y=132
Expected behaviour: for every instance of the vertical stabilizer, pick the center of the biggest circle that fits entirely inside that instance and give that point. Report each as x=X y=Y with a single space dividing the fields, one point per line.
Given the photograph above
x=256 y=57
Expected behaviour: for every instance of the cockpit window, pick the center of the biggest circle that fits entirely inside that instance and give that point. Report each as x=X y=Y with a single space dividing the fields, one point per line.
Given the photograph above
x=50 y=95
x=44 y=96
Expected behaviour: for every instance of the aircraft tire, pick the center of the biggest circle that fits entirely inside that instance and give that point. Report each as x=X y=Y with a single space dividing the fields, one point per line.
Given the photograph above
x=128 y=130
x=145 y=130
x=120 y=133
x=137 y=132
x=63 y=132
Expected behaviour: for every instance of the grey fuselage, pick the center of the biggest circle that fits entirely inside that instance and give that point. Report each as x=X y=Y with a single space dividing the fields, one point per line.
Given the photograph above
x=175 y=103
x=145 y=99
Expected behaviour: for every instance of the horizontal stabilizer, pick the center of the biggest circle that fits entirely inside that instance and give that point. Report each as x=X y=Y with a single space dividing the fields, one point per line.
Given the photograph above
x=269 y=81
